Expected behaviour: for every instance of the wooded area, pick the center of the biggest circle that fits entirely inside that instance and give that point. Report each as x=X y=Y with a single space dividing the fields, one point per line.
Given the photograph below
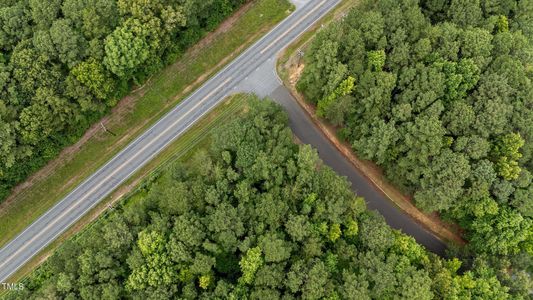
x=255 y=216
x=440 y=95
x=65 y=63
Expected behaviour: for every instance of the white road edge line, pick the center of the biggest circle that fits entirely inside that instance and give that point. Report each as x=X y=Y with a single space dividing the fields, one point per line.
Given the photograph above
x=151 y=128
x=292 y=27
x=88 y=193
x=182 y=103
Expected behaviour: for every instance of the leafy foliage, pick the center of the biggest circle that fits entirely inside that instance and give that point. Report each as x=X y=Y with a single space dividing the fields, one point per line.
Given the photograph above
x=443 y=103
x=64 y=63
x=253 y=217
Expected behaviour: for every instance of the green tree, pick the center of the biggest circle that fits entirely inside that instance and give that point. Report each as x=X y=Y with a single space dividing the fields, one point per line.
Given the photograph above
x=14 y=25
x=507 y=233
x=522 y=201
x=376 y=59
x=48 y=113
x=502 y=24
x=442 y=181
x=506 y=152
x=126 y=48
x=345 y=88
x=460 y=78
x=250 y=263
x=44 y=13
x=8 y=146
x=202 y=229
x=459 y=118
x=151 y=265
x=379 y=145
x=476 y=44
x=92 y=74
x=498 y=7
x=465 y=12
x=68 y=42
x=335 y=232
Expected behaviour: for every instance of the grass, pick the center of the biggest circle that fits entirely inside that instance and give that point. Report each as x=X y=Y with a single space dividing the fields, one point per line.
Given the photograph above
x=196 y=138
x=138 y=111
x=303 y=41
x=288 y=68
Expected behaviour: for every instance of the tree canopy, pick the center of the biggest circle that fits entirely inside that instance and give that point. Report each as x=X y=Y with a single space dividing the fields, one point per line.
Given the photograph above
x=253 y=216
x=64 y=63
x=443 y=102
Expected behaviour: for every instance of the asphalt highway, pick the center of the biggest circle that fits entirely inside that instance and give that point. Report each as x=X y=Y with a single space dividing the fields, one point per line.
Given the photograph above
x=66 y=212
x=251 y=69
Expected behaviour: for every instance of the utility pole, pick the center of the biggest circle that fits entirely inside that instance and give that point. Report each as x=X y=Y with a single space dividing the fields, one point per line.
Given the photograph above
x=107 y=130
x=300 y=56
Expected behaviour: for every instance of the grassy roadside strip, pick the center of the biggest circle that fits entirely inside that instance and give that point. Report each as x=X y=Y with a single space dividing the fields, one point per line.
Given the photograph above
x=137 y=112
x=289 y=68
x=181 y=149
x=289 y=54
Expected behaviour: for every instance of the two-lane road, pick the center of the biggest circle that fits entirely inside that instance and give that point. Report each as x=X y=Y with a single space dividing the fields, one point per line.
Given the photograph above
x=66 y=212
x=251 y=71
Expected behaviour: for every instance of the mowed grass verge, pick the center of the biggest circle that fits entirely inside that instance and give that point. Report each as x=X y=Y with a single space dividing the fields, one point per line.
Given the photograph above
x=290 y=55
x=138 y=111
x=198 y=137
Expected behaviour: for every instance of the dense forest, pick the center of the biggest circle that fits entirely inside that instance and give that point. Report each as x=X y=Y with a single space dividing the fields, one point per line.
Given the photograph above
x=64 y=63
x=255 y=216
x=440 y=95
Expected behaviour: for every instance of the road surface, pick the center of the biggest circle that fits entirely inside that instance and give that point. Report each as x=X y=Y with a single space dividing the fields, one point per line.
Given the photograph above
x=66 y=212
x=304 y=128
x=251 y=71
